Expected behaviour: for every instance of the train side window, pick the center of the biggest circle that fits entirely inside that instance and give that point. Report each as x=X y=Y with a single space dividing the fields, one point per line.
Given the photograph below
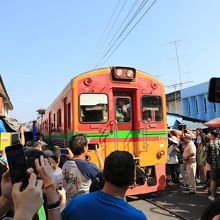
x=59 y=119
x=69 y=116
x=54 y=122
x=93 y=108
x=151 y=109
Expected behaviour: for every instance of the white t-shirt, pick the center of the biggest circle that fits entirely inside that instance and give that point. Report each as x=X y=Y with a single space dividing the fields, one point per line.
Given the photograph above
x=171 y=155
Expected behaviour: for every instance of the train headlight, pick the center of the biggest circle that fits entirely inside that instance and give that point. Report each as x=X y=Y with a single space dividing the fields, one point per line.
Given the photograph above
x=130 y=74
x=119 y=72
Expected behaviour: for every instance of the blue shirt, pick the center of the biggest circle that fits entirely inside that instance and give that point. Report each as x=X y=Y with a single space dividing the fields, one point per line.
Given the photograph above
x=100 y=205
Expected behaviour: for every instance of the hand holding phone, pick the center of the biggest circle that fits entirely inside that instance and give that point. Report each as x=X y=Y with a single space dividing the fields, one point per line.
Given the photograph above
x=93 y=146
x=17 y=164
x=64 y=151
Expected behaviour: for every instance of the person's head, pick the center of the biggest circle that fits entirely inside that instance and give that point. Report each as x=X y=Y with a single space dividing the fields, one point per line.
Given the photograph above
x=173 y=133
x=41 y=145
x=212 y=212
x=121 y=102
x=173 y=140
x=78 y=144
x=208 y=137
x=32 y=154
x=29 y=144
x=56 y=153
x=214 y=134
x=182 y=140
x=97 y=184
x=119 y=169
x=188 y=138
x=198 y=131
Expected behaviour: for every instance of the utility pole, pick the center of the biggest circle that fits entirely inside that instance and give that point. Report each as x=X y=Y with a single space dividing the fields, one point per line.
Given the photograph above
x=177 y=59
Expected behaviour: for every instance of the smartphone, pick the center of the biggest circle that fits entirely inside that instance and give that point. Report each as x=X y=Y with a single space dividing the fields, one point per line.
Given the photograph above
x=64 y=151
x=17 y=164
x=93 y=146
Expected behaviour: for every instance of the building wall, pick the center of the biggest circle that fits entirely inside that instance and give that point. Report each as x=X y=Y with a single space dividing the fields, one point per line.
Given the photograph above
x=195 y=103
x=173 y=102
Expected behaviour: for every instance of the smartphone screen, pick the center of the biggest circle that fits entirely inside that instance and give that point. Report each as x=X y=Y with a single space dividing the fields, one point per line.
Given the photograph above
x=64 y=151
x=17 y=164
x=93 y=146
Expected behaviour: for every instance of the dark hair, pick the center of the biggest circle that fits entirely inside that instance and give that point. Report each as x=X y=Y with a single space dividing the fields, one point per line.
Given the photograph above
x=182 y=138
x=56 y=153
x=211 y=211
x=77 y=143
x=214 y=133
x=119 y=168
x=97 y=184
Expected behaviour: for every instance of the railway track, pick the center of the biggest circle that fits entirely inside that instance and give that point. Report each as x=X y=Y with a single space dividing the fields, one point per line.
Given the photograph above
x=173 y=213
x=156 y=210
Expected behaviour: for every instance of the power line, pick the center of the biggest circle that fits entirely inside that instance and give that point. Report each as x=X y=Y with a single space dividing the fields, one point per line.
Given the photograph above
x=114 y=22
x=126 y=17
x=95 y=53
x=130 y=31
x=130 y=21
x=125 y=28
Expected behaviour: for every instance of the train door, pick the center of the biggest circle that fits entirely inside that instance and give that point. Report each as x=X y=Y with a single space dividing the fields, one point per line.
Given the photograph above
x=124 y=121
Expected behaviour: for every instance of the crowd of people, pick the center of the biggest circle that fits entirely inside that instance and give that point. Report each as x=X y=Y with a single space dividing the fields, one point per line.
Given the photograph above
x=195 y=157
x=70 y=188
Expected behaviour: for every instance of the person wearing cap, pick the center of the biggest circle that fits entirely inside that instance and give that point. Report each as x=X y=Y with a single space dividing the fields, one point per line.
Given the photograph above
x=189 y=158
x=172 y=159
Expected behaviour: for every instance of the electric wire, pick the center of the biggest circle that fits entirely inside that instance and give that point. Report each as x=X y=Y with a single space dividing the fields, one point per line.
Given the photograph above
x=125 y=28
x=143 y=3
x=114 y=22
x=95 y=53
x=125 y=18
x=129 y=32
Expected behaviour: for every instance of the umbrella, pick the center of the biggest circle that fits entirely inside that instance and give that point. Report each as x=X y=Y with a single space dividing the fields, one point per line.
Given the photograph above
x=215 y=123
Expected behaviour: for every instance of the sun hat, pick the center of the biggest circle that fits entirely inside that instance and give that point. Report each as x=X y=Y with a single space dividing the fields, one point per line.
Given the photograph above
x=174 y=140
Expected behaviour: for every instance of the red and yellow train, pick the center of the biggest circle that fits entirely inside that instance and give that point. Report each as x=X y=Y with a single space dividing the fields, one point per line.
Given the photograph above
x=95 y=102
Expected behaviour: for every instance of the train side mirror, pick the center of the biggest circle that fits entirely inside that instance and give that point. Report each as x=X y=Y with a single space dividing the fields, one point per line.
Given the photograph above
x=214 y=90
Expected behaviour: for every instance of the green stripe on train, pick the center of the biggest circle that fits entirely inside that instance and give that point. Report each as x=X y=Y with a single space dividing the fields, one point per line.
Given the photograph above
x=113 y=134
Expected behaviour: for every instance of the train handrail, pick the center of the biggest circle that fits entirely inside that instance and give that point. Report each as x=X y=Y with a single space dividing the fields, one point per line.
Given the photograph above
x=116 y=135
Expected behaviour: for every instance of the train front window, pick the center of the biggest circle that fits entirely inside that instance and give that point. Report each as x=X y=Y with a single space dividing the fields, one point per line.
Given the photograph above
x=151 y=109
x=93 y=108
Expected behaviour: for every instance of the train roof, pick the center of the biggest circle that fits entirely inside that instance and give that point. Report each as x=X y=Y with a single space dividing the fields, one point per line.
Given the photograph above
x=69 y=85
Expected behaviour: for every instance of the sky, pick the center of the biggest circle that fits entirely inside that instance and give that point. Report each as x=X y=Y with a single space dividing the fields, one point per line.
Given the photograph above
x=45 y=43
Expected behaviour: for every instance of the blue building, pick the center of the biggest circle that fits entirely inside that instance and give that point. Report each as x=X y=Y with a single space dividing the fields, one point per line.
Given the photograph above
x=195 y=103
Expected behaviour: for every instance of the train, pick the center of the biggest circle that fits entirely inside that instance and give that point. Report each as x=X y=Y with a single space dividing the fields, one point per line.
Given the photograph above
x=93 y=103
